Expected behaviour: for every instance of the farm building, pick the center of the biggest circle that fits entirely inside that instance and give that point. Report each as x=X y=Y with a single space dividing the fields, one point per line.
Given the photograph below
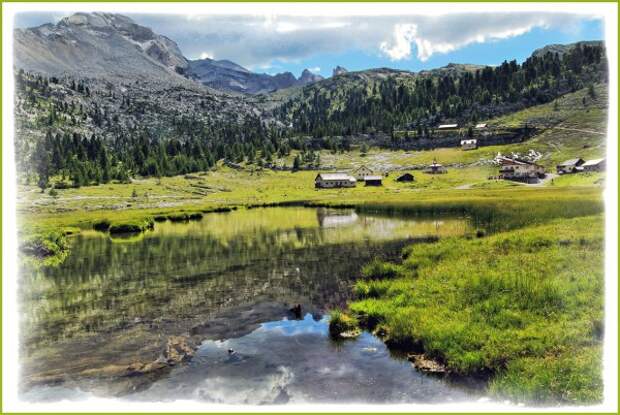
x=469 y=144
x=435 y=168
x=407 y=177
x=373 y=180
x=594 y=165
x=481 y=126
x=362 y=172
x=569 y=166
x=331 y=180
x=521 y=170
x=448 y=127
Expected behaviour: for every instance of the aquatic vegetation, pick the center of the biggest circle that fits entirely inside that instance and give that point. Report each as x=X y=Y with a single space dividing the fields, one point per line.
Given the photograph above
x=49 y=248
x=131 y=226
x=522 y=307
x=343 y=325
x=102 y=225
x=44 y=245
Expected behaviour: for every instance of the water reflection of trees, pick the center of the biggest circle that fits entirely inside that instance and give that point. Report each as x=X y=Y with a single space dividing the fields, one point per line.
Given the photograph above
x=103 y=284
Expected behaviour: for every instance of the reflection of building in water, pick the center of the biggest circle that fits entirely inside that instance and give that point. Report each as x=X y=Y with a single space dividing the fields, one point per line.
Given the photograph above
x=333 y=219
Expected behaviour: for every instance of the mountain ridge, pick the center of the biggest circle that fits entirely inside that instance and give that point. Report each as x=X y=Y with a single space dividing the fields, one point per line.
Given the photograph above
x=232 y=77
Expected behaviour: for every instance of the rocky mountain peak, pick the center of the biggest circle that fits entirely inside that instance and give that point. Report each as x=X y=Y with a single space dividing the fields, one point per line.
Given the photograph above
x=97 y=20
x=308 y=77
x=97 y=44
x=338 y=70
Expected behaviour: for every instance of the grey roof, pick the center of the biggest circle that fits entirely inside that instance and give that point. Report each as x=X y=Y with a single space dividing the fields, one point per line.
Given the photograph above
x=448 y=126
x=571 y=162
x=373 y=178
x=593 y=162
x=335 y=176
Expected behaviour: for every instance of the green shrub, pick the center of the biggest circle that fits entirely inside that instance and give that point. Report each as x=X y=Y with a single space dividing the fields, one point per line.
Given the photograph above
x=178 y=217
x=102 y=225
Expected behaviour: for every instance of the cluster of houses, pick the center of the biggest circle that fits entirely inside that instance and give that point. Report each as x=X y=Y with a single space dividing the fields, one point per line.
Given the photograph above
x=510 y=168
x=580 y=165
x=362 y=174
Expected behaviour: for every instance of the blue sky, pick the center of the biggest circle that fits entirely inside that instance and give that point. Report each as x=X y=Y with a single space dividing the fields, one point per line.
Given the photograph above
x=273 y=44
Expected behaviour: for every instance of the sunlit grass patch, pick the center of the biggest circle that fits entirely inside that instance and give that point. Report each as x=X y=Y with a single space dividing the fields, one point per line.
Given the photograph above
x=522 y=307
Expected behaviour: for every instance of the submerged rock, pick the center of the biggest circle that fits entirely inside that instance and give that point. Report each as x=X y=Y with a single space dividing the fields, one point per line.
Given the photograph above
x=425 y=364
x=179 y=349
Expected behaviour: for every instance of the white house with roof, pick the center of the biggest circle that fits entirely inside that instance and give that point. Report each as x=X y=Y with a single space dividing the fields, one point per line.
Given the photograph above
x=362 y=172
x=469 y=144
x=514 y=169
x=448 y=127
x=333 y=180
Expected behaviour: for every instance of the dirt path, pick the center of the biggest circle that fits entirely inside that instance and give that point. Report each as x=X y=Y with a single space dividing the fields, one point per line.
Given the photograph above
x=464 y=186
x=579 y=130
x=542 y=182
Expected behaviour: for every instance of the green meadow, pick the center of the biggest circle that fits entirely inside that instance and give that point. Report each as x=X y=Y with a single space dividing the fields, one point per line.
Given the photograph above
x=522 y=309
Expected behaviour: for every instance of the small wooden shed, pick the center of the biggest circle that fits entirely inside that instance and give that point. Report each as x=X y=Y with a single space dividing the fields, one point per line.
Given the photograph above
x=594 y=165
x=569 y=166
x=406 y=177
x=373 y=180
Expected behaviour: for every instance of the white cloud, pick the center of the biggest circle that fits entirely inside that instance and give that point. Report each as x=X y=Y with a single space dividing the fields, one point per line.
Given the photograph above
x=400 y=47
x=446 y=34
x=206 y=55
x=253 y=40
x=316 y=69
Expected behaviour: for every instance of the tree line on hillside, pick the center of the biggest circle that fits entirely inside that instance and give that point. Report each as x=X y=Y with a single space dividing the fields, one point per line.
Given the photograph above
x=93 y=134
x=468 y=96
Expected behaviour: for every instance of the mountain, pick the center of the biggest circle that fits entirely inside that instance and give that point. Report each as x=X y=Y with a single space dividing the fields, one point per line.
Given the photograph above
x=308 y=77
x=338 y=70
x=107 y=46
x=228 y=76
x=98 y=45
x=560 y=50
x=384 y=99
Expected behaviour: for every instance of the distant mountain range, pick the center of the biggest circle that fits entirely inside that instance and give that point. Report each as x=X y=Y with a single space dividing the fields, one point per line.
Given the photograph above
x=105 y=45
x=228 y=76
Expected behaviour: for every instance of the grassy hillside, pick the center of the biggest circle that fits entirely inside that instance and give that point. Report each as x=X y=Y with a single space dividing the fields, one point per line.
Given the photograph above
x=385 y=100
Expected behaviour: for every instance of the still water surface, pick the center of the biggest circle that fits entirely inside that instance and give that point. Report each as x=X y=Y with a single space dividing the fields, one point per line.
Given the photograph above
x=226 y=282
